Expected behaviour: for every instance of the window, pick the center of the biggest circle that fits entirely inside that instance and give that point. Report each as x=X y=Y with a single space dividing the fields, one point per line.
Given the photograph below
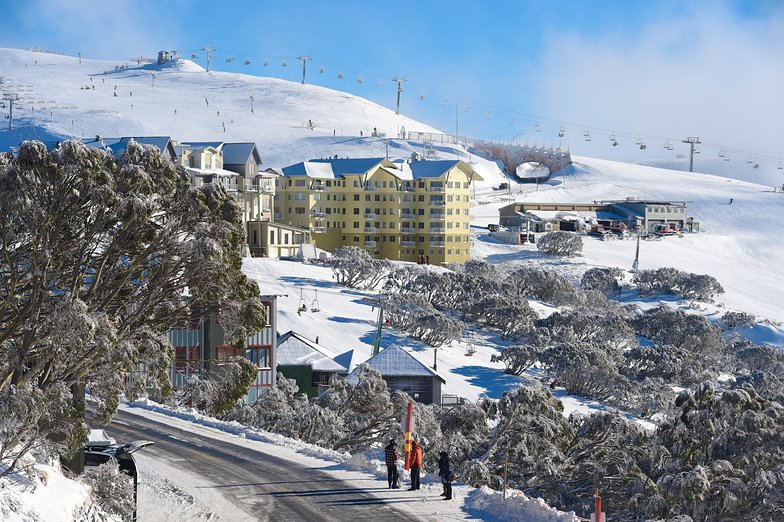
x=299 y=183
x=225 y=352
x=258 y=355
x=268 y=313
x=356 y=197
x=285 y=239
x=356 y=239
x=299 y=210
x=356 y=210
x=272 y=237
x=299 y=196
x=356 y=224
x=187 y=359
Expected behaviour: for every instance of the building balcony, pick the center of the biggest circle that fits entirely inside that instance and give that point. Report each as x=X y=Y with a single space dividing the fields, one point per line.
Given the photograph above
x=317 y=214
x=370 y=215
x=370 y=244
x=370 y=230
x=370 y=188
x=437 y=230
x=437 y=203
x=267 y=188
x=319 y=187
x=408 y=217
x=278 y=215
x=440 y=190
x=408 y=229
x=407 y=189
x=437 y=244
x=408 y=244
x=319 y=230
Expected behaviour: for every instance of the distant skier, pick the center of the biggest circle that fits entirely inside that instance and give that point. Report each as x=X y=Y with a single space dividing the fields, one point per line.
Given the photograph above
x=730 y=201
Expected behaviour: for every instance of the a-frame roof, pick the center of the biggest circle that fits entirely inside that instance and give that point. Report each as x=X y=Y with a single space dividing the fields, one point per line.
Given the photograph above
x=394 y=361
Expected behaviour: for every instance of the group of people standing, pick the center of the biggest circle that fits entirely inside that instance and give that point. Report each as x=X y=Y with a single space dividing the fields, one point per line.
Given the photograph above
x=445 y=472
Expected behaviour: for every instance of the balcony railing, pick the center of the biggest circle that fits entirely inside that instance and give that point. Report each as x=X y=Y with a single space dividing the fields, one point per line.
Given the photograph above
x=319 y=230
x=370 y=230
x=408 y=244
x=370 y=188
x=407 y=229
x=370 y=244
x=268 y=188
x=437 y=203
x=370 y=215
x=408 y=217
x=437 y=230
x=436 y=189
x=407 y=189
x=317 y=214
x=437 y=243
x=319 y=187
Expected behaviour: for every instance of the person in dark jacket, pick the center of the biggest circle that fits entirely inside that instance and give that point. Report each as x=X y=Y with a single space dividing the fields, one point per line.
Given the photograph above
x=390 y=456
x=446 y=474
x=415 y=463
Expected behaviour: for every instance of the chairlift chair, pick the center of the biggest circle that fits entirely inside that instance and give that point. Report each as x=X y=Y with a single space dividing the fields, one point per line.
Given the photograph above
x=561 y=132
x=194 y=56
x=470 y=347
x=302 y=305
x=321 y=70
x=229 y=59
x=314 y=306
x=360 y=79
x=340 y=76
x=780 y=166
x=381 y=82
x=421 y=97
x=266 y=63
x=247 y=62
x=488 y=115
x=284 y=64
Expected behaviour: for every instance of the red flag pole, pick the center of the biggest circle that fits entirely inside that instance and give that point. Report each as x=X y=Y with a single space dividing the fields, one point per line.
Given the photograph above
x=409 y=421
x=598 y=507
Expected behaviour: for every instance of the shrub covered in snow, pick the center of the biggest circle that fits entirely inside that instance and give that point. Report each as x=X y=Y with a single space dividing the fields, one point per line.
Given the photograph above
x=602 y=279
x=356 y=268
x=683 y=284
x=112 y=490
x=219 y=391
x=733 y=319
x=545 y=285
x=560 y=243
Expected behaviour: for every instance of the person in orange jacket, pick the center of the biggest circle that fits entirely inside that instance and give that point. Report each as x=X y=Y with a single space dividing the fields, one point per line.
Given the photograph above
x=415 y=463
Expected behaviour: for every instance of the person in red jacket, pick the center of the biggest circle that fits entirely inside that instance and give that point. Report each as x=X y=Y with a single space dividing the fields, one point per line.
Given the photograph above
x=415 y=462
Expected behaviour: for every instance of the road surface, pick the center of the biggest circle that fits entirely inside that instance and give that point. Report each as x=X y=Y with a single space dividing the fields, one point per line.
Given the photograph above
x=185 y=476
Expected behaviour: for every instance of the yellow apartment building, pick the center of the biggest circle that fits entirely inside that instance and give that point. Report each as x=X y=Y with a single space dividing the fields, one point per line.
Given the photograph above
x=415 y=210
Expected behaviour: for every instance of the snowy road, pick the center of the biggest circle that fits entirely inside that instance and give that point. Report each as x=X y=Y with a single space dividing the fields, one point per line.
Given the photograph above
x=220 y=480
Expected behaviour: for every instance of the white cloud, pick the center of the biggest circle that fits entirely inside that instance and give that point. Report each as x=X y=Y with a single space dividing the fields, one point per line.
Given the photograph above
x=710 y=74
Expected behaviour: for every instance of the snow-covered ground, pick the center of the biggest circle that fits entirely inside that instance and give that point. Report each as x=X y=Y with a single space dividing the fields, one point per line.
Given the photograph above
x=739 y=243
x=175 y=492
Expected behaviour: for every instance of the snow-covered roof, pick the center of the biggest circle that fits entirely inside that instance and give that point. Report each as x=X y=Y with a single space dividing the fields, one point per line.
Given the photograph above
x=310 y=169
x=202 y=144
x=402 y=173
x=212 y=172
x=394 y=361
x=238 y=153
x=348 y=166
x=297 y=350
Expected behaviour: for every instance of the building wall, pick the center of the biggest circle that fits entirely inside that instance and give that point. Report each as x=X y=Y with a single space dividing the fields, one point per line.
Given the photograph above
x=377 y=211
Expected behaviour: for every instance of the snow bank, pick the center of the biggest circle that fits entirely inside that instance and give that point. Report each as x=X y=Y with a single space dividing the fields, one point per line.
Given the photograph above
x=517 y=507
x=49 y=496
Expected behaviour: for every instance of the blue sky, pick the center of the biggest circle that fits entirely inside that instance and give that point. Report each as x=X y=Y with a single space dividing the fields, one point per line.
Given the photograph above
x=497 y=69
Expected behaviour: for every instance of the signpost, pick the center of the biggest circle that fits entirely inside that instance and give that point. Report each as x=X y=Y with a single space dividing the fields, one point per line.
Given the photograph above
x=408 y=427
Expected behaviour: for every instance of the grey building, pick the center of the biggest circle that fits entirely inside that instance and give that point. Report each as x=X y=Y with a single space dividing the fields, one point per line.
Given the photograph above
x=403 y=372
x=307 y=362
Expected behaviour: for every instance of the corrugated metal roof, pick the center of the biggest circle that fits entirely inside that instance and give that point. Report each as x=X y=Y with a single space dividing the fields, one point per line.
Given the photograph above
x=342 y=167
x=296 y=350
x=394 y=361
x=431 y=168
x=310 y=169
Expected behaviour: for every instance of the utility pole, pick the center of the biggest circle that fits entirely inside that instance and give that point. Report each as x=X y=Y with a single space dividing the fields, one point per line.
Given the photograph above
x=252 y=99
x=399 y=82
x=208 y=49
x=153 y=80
x=10 y=98
x=304 y=59
x=692 y=141
x=80 y=57
x=457 y=122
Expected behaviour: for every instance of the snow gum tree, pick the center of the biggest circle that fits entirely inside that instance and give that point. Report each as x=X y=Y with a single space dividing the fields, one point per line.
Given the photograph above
x=560 y=243
x=95 y=259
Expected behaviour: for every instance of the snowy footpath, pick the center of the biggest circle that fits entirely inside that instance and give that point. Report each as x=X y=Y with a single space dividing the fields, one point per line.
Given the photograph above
x=182 y=499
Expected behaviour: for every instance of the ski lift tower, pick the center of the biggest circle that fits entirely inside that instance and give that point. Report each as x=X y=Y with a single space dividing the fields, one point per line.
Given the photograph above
x=692 y=141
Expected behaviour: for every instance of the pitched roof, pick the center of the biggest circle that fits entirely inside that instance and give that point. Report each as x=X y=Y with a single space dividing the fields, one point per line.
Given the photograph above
x=296 y=350
x=310 y=169
x=238 y=153
x=203 y=144
x=394 y=361
x=118 y=145
x=348 y=166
